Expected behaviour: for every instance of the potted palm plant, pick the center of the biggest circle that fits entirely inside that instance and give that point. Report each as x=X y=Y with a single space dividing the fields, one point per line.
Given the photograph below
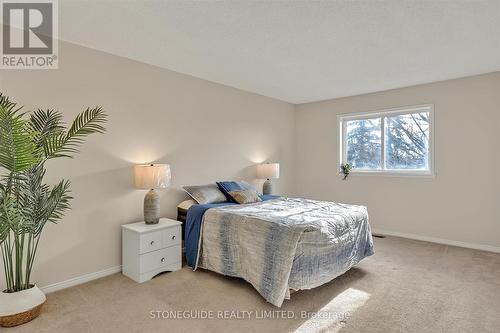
x=27 y=142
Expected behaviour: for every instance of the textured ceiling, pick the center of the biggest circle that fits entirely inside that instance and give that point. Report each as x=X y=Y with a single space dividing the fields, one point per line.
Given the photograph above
x=298 y=51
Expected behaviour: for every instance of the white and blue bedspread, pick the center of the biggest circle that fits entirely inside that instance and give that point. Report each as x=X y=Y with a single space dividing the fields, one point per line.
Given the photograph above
x=284 y=243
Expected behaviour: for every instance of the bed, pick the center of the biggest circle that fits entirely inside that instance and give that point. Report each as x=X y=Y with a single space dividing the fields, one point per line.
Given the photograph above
x=279 y=244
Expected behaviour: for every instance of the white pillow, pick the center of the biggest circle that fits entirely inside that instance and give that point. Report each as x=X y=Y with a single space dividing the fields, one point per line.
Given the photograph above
x=205 y=194
x=186 y=204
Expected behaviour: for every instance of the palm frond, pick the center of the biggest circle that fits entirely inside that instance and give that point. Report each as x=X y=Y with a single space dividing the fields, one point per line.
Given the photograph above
x=17 y=151
x=4 y=226
x=12 y=215
x=7 y=104
x=45 y=123
x=63 y=144
x=30 y=192
x=55 y=203
x=4 y=230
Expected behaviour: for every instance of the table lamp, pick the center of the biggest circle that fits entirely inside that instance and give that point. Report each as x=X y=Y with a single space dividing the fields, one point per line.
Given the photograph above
x=268 y=171
x=152 y=176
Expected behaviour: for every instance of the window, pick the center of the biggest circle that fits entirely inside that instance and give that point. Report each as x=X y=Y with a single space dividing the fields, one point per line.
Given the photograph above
x=396 y=141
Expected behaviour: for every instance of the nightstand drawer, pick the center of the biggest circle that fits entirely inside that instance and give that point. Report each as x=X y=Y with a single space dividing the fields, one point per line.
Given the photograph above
x=160 y=258
x=172 y=236
x=151 y=242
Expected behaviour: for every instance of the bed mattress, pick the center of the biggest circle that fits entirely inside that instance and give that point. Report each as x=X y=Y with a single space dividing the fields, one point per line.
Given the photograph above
x=284 y=243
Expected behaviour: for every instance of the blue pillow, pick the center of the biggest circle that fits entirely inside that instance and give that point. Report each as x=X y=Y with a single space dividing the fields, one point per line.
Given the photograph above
x=227 y=187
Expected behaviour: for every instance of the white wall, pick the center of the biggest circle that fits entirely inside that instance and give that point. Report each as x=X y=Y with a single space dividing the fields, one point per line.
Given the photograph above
x=206 y=131
x=460 y=204
x=210 y=132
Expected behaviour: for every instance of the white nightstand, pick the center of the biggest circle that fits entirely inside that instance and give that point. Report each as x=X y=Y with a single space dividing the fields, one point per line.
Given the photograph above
x=149 y=249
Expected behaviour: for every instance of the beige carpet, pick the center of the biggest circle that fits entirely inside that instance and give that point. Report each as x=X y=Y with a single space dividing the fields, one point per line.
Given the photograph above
x=407 y=286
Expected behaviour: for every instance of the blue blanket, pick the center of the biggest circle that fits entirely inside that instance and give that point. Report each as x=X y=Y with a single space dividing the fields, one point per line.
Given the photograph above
x=194 y=221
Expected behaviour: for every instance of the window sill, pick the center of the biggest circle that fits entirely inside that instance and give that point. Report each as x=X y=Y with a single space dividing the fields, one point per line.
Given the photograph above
x=403 y=174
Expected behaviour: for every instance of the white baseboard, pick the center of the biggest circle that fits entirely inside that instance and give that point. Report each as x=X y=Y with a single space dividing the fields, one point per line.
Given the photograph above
x=80 y=279
x=474 y=246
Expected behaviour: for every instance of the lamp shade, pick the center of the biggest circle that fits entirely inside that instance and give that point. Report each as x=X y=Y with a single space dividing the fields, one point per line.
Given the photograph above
x=151 y=176
x=268 y=170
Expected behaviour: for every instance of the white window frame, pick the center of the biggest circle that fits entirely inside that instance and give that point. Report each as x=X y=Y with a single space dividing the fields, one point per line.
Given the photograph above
x=383 y=114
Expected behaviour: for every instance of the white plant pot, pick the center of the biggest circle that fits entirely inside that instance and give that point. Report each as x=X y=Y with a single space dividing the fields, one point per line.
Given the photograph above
x=20 y=307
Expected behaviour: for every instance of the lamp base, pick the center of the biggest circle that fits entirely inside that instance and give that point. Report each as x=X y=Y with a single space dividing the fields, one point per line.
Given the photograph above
x=267 y=187
x=152 y=207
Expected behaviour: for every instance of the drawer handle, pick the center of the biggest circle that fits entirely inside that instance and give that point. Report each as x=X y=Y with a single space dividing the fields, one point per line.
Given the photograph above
x=162 y=259
x=152 y=242
x=173 y=237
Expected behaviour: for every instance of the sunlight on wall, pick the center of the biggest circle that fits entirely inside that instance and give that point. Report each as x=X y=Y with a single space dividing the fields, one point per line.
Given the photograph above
x=143 y=155
x=332 y=316
x=258 y=153
x=140 y=149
